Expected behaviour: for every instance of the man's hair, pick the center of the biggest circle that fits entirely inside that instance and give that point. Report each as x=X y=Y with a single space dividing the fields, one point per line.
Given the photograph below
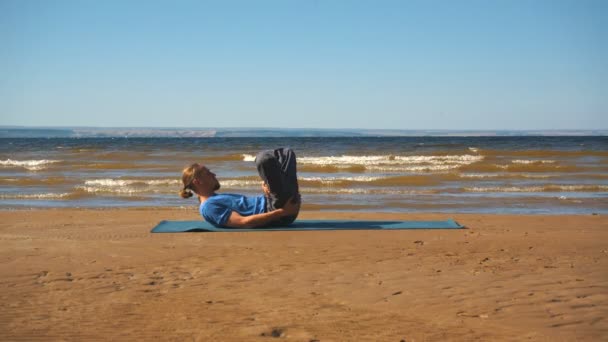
x=188 y=175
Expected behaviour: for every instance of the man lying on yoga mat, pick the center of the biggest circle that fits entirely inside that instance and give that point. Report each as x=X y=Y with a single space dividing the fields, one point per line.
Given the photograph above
x=279 y=205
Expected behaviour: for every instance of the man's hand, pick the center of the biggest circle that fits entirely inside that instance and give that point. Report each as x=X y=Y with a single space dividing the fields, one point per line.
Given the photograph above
x=292 y=206
x=266 y=189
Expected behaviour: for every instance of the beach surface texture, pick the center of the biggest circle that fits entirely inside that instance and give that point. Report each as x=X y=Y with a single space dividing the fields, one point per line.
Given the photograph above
x=99 y=274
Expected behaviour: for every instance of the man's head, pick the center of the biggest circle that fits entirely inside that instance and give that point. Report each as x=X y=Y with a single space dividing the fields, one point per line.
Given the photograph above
x=198 y=179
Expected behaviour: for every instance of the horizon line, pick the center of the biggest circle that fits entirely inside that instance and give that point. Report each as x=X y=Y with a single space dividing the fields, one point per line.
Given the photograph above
x=308 y=128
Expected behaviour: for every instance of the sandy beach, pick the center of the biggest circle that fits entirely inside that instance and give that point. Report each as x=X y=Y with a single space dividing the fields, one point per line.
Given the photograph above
x=75 y=274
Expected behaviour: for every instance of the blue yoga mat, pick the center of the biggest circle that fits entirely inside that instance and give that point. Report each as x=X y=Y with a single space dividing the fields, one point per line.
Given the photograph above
x=202 y=226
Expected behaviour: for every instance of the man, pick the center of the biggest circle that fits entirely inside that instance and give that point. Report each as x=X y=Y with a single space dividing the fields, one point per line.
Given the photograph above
x=279 y=205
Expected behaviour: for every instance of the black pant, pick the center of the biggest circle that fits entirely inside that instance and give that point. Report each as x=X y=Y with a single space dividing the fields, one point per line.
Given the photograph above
x=278 y=169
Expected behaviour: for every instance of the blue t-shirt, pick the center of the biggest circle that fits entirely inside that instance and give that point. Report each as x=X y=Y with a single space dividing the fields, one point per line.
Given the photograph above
x=217 y=208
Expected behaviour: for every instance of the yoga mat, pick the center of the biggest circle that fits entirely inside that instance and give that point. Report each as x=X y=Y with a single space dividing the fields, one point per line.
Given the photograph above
x=202 y=226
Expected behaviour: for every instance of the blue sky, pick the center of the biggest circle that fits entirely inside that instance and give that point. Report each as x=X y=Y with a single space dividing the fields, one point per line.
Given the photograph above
x=305 y=64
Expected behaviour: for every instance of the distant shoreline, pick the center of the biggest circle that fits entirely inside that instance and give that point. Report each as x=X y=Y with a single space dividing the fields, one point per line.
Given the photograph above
x=154 y=132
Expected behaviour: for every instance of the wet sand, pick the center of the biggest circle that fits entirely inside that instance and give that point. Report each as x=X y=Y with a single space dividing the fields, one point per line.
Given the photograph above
x=70 y=274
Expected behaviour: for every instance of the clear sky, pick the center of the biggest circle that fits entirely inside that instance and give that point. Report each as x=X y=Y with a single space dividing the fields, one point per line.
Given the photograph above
x=488 y=64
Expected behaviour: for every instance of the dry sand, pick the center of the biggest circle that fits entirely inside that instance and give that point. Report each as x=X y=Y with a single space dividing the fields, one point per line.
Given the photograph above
x=100 y=275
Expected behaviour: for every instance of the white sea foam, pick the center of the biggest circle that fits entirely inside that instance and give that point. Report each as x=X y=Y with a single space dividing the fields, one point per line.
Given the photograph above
x=585 y=187
x=473 y=149
x=573 y=200
x=382 y=159
x=494 y=175
x=330 y=180
x=250 y=183
x=248 y=157
x=529 y=161
x=237 y=183
x=390 y=163
x=505 y=189
x=32 y=165
x=356 y=191
x=458 y=159
x=481 y=175
x=108 y=182
x=163 y=182
x=390 y=160
x=418 y=168
x=130 y=186
x=543 y=188
x=35 y=196
x=122 y=186
x=114 y=190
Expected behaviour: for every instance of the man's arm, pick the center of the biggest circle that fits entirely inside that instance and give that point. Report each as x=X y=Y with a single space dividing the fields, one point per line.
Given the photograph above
x=237 y=220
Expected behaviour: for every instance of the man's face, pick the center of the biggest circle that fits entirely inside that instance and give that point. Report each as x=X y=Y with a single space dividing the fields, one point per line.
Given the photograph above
x=207 y=178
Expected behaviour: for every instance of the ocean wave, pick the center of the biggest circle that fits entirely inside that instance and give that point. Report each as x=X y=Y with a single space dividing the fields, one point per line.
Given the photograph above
x=382 y=159
x=240 y=183
x=377 y=168
x=318 y=182
x=114 y=190
x=381 y=163
x=543 y=153
x=113 y=166
x=390 y=160
x=248 y=157
x=407 y=180
x=367 y=191
x=303 y=181
x=540 y=188
x=529 y=161
x=108 y=182
x=26 y=181
x=228 y=157
x=117 y=156
x=334 y=180
x=504 y=175
x=130 y=186
x=522 y=175
x=530 y=167
x=32 y=165
x=419 y=168
x=37 y=196
x=332 y=168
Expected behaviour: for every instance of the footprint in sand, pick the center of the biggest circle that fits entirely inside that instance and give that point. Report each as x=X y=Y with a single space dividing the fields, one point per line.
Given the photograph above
x=291 y=332
x=276 y=332
x=42 y=277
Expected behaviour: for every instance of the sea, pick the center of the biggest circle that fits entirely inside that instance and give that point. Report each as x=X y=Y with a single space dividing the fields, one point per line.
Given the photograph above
x=408 y=174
